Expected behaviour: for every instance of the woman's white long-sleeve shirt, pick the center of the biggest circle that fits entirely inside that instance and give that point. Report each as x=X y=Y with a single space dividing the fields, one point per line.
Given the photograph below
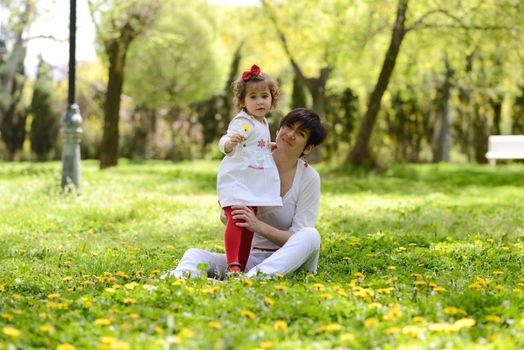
x=248 y=175
x=300 y=207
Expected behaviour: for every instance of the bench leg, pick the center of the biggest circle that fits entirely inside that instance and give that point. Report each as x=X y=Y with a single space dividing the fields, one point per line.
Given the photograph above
x=492 y=162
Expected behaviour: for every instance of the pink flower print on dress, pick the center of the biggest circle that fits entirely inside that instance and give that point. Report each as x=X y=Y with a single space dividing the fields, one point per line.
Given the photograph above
x=261 y=143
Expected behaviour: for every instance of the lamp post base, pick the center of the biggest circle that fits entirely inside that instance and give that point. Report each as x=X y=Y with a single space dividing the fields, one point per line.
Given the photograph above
x=71 y=150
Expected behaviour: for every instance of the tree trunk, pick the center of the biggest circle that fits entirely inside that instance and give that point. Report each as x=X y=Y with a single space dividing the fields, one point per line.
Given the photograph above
x=441 y=140
x=109 y=148
x=360 y=155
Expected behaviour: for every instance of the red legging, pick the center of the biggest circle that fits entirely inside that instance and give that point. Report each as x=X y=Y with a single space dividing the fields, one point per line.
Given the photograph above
x=237 y=241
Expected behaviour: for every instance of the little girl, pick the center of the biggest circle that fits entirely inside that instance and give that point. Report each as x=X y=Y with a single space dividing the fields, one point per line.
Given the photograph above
x=247 y=175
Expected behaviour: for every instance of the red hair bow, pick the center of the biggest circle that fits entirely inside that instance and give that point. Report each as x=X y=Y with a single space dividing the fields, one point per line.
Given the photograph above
x=255 y=70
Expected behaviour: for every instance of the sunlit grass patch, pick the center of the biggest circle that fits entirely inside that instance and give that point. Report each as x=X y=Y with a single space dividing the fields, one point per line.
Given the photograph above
x=426 y=256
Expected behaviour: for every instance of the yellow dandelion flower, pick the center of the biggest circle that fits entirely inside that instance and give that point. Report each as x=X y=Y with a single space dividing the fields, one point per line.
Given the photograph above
x=493 y=319
x=179 y=282
x=441 y=327
x=498 y=273
x=439 y=289
x=247 y=314
x=418 y=320
x=452 y=311
x=375 y=306
x=412 y=331
x=65 y=346
x=122 y=275
x=359 y=275
x=7 y=317
x=280 y=287
x=326 y=296
x=385 y=291
x=11 y=332
x=110 y=290
x=159 y=330
x=131 y=286
x=2 y=288
x=266 y=345
x=465 y=323
x=214 y=325
x=67 y=278
x=110 y=343
x=318 y=286
x=247 y=283
x=53 y=296
x=391 y=268
x=348 y=337
x=419 y=283
x=46 y=328
x=103 y=321
x=371 y=323
x=87 y=304
x=493 y=338
x=133 y=316
x=187 y=333
x=393 y=313
x=246 y=127
x=333 y=327
x=129 y=301
x=280 y=325
x=392 y=331
x=342 y=293
x=269 y=301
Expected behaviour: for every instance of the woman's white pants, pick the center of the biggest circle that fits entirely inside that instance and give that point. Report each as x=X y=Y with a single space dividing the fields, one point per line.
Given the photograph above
x=300 y=252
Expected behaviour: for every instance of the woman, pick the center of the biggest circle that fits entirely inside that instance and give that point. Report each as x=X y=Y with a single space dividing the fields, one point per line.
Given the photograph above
x=285 y=237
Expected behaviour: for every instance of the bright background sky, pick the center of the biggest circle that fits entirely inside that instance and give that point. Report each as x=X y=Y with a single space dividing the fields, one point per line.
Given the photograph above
x=54 y=21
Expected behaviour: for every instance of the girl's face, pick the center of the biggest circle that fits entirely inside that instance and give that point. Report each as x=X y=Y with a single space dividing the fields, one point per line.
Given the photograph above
x=258 y=100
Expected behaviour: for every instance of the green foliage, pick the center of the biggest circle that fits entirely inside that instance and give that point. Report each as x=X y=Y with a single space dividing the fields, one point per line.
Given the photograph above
x=417 y=257
x=46 y=119
x=177 y=63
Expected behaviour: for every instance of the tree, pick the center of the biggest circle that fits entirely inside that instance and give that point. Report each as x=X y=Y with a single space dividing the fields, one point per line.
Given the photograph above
x=12 y=75
x=176 y=66
x=46 y=119
x=360 y=154
x=119 y=26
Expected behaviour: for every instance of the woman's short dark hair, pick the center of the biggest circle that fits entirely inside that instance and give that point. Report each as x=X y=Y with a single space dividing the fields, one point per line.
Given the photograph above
x=307 y=120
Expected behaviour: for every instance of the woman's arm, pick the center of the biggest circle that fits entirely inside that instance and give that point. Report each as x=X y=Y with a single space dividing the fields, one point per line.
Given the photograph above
x=252 y=223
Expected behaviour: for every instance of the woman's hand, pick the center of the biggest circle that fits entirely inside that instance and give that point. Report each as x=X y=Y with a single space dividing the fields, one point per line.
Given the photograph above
x=247 y=218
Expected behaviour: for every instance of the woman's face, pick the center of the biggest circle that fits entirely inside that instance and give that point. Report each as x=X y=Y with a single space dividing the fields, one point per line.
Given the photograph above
x=293 y=138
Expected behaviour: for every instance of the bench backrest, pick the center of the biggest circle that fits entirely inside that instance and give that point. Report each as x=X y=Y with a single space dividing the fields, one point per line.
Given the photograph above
x=506 y=143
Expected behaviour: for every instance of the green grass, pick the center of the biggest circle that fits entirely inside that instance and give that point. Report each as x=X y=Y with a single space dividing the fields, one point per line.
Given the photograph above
x=422 y=256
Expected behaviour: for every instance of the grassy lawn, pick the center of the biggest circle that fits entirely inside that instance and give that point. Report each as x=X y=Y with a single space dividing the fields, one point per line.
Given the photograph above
x=419 y=257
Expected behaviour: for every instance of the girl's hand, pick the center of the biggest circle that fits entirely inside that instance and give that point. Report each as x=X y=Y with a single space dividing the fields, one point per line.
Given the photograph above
x=234 y=140
x=223 y=216
x=249 y=218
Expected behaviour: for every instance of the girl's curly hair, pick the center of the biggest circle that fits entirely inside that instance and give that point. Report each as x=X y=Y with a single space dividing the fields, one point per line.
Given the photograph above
x=240 y=86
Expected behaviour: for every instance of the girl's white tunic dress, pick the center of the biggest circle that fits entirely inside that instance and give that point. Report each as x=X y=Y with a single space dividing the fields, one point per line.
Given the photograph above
x=248 y=175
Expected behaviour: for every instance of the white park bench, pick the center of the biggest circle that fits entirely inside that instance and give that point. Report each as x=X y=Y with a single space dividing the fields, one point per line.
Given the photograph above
x=505 y=147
